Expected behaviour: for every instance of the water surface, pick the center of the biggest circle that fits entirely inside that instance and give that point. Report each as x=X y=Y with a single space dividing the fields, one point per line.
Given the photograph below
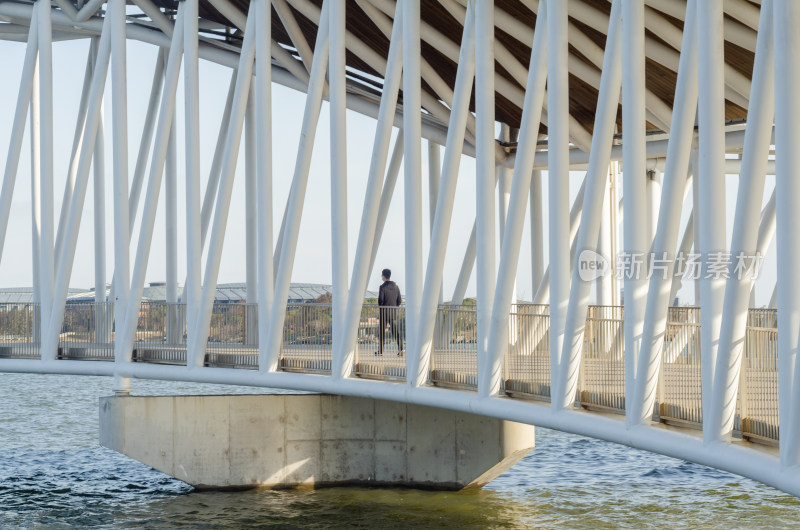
x=53 y=474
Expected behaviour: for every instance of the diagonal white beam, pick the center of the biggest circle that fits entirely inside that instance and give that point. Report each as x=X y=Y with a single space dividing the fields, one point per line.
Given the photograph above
x=675 y=178
x=589 y=231
x=558 y=187
x=711 y=120
x=745 y=238
x=342 y=364
x=520 y=187
x=419 y=366
x=17 y=130
x=191 y=86
x=297 y=196
x=787 y=190
x=197 y=343
x=126 y=332
x=263 y=114
x=375 y=209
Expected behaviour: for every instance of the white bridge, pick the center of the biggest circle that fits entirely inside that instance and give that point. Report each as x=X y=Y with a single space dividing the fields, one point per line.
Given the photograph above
x=651 y=100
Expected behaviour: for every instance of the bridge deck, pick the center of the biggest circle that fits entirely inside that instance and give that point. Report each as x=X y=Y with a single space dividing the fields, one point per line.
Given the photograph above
x=161 y=339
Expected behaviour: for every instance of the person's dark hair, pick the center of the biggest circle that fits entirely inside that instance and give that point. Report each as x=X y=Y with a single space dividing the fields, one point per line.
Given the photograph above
x=386 y=273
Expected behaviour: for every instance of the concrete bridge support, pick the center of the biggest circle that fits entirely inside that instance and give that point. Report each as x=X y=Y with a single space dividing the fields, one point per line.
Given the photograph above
x=309 y=441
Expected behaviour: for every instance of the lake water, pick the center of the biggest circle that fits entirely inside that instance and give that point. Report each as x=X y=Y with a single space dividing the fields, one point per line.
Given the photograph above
x=53 y=474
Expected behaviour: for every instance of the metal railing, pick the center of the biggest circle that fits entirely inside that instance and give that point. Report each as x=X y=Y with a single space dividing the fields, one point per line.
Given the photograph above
x=527 y=361
x=19 y=325
x=233 y=336
x=454 y=359
x=758 y=381
x=161 y=333
x=602 y=376
x=680 y=397
x=87 y=331
x=381 y=342
x=307 y=336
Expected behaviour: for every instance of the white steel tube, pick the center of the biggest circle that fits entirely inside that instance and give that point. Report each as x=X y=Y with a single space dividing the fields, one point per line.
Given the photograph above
x=121 y=204
x=99 y=196
x=520 y=186
x=263 y=116
x=216 y=163
x=77 y=139
x=17 y=131
x=592 y=210
x=746 y=230
x=412 y=166
x=297 y=196
x=542 y=291
x=342 y=363
x=489 y=363
x=46 y=242
x=197 y=343
x=146 y=140
x=250 y=198
x=418 y=367
x=434 y=179
x=191 y=85
x=787 y=191
x=126 y=333
x=54 y=315
x=558 y=188
x=634 y=185
x=389 y=184
x=36 y=218
x=675 y=187
x=603 y=284
x=711 y=119
x=171 y=213
x=537 y=230
x=250 y=211
x=375 y=209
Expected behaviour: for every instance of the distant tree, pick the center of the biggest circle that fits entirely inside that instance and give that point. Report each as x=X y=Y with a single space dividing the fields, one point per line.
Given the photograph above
x=325 y=298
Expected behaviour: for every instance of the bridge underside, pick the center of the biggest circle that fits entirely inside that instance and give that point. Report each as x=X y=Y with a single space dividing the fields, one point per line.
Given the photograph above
x=654 y=104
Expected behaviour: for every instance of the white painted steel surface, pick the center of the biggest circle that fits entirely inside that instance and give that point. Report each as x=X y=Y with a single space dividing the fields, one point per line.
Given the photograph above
x=732 y=375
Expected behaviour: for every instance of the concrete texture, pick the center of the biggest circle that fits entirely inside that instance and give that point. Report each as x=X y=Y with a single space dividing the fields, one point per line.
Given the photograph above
x=286 y=441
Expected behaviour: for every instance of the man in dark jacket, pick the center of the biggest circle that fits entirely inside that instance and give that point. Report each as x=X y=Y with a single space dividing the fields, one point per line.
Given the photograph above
x=389 y=300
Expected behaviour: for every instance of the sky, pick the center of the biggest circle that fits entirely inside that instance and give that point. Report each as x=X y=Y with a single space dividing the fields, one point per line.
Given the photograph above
x=312 y=263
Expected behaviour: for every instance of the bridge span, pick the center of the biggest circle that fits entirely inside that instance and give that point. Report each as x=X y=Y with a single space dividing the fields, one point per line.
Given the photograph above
x=653 y=105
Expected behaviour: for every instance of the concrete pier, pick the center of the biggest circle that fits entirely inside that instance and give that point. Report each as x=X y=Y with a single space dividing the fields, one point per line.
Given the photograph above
x=309 y=441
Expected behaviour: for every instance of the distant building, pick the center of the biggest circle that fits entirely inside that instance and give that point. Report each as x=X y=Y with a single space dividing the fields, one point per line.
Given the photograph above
x=299 y=293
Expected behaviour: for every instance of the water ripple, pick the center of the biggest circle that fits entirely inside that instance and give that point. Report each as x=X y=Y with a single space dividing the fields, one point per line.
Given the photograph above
x=53 y=474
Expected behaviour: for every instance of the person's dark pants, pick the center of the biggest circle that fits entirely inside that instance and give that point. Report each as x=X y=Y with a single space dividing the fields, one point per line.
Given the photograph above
x=389 y=316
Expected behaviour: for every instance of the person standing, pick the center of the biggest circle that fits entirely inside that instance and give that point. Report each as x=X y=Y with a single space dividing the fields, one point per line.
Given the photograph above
x=389 y=300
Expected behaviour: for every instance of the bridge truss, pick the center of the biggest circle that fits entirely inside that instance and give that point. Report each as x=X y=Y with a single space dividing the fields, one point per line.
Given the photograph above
x=660 y=86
